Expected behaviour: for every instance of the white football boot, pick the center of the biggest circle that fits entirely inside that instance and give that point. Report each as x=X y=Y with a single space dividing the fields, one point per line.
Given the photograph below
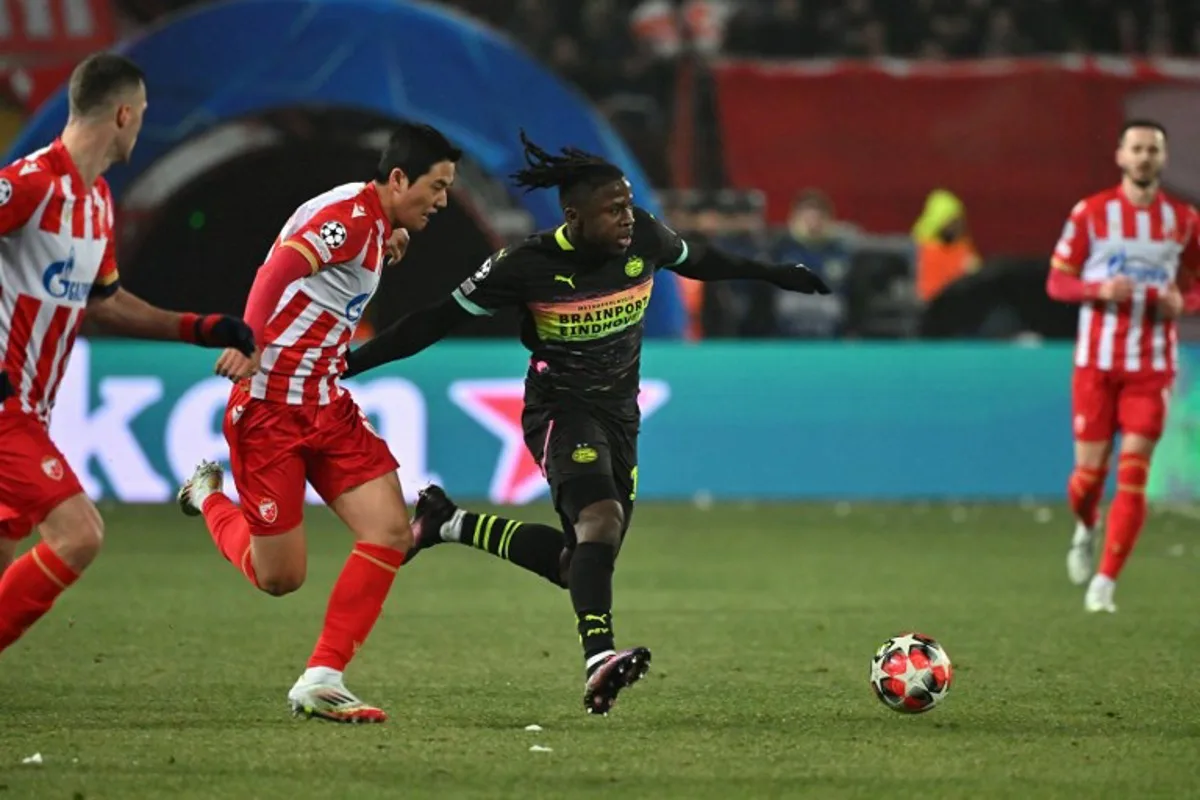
x=207 y=478
x=1099 y=595
x=320 y=693
x=1081 y=563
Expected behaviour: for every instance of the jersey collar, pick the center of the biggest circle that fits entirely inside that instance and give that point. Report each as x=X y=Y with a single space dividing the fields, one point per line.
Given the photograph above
x=370 y=196
x=63 y=161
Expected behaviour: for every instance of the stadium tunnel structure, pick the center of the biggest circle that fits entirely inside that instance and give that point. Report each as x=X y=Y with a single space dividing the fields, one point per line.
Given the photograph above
x=244 y=62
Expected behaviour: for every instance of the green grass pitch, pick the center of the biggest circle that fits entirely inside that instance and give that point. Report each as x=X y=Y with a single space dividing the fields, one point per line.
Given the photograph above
x=163 y=674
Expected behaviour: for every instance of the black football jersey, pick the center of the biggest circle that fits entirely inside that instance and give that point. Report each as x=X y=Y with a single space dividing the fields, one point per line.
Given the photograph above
x=582 y=312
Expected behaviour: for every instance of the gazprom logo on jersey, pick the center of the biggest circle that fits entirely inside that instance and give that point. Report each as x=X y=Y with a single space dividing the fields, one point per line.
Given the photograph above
x=354 y=309
x=1137 y=269
x=58 y=284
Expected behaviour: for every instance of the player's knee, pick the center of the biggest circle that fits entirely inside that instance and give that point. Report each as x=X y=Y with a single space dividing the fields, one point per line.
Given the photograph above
x=76 y=536
x=278 y=584
x=394 y=533
x=602 y=522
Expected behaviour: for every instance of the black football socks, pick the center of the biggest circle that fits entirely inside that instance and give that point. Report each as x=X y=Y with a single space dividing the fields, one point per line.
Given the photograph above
x=529 y=545
x=590 y=583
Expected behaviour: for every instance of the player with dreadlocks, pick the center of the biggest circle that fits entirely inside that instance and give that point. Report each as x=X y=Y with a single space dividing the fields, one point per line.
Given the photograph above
x=583 y=289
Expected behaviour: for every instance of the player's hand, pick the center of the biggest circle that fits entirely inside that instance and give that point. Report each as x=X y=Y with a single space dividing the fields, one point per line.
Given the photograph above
x=1116 y=290
x=1170 y=302
x=220 y=330
x=397 y=245
x=799 y=278
x=234 y=365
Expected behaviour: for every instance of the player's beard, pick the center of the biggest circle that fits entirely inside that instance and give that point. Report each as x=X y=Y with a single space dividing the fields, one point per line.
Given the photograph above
x=1143 y=180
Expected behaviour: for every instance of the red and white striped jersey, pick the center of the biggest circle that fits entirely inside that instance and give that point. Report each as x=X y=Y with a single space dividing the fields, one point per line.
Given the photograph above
x=56 y=251
x=1155 y=246
x=342 y=233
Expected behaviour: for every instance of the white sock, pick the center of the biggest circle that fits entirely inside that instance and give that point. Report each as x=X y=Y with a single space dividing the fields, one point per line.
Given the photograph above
x=452 y=528
x=321 y=675
x=1083 y=535
x=200 y=493
x=597 y=659
x=1102 y=582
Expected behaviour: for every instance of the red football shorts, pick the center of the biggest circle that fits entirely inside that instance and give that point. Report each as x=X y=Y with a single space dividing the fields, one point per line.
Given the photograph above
x=1106 y=402
x=34 y=476
x=274 y=448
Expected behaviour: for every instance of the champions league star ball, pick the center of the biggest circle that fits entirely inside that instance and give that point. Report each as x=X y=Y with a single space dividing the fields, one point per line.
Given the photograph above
x=911 y=673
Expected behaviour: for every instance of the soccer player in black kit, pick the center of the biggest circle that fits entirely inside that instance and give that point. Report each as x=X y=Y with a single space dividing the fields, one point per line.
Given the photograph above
x=583 y=289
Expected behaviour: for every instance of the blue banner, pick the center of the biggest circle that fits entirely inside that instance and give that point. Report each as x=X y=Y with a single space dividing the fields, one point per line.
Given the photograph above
x=742 y=420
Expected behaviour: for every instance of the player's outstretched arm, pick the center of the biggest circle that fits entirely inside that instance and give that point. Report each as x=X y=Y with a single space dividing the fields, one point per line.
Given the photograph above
x=126 y=314
x=708 y=263
x=407 y=336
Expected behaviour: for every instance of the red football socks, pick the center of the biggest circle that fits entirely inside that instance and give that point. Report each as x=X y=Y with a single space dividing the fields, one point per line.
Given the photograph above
x=29 y=588
x=1127 y=514
x=1084 y=491
x=230 y=532
x=355 y=603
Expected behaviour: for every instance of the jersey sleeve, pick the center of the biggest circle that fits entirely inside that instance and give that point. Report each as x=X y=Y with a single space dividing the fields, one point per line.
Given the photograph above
x=108 y=279
x=668 y=247
x=23 y=186
x=496 y=284
x=332 y=236
x=1071 y=252
x=1189 y=259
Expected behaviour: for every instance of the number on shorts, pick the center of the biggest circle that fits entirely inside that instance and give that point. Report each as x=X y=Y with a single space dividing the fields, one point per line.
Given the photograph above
x=634 y=475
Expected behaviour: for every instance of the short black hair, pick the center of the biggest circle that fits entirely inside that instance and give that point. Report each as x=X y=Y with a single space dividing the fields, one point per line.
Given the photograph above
x=98 y=78
x=572 y=171
x=1141 y=123
x=813 y=198
x=414 y=149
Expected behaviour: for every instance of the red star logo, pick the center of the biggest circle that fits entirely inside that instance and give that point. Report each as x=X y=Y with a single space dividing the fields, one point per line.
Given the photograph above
x=497 y=405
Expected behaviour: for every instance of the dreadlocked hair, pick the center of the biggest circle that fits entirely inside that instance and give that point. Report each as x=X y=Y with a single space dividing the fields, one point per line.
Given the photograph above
x=573 y=169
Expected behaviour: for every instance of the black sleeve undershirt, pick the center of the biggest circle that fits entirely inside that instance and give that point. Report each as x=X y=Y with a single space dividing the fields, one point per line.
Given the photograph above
x=407 y=336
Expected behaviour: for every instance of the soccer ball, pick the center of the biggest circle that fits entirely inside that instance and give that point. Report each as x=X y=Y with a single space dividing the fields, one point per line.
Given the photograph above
x=911 y=673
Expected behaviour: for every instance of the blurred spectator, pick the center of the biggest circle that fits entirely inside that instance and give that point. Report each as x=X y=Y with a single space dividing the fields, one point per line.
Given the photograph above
x=810 y=240
x=945 y=252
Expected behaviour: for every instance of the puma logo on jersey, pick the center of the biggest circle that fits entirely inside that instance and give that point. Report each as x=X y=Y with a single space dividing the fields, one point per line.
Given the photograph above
x=569 y=280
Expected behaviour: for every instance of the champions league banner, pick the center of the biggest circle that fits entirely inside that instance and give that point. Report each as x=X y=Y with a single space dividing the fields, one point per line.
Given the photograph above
x=760 y=421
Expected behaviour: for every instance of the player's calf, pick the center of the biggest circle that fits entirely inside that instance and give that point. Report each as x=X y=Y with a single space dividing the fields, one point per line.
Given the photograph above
x=72 y=534
x=538 y=548
x=275 y=564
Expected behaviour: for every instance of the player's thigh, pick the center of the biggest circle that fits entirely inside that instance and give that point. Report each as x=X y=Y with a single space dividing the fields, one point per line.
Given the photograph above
x=1142 y=405
x=376 y=513
x=265 y=441
x=354 y=472
x=1094 y=416
x=38 y=487
x=74 y=530
x=8 y=550
x=579 y=466
x=623 y=443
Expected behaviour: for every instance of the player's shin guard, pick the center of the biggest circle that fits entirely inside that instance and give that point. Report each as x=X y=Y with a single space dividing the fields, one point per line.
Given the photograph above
x=590 y=582
x=28 y=588
x=1127 y=514
x=355 y=604
x=230 y=532
x=1084 y=491
x=530 y=546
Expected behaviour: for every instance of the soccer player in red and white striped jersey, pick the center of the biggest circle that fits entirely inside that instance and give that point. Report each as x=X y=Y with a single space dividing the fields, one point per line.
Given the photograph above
x=288 y=421
x=1130 y=256
x=57 y=261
